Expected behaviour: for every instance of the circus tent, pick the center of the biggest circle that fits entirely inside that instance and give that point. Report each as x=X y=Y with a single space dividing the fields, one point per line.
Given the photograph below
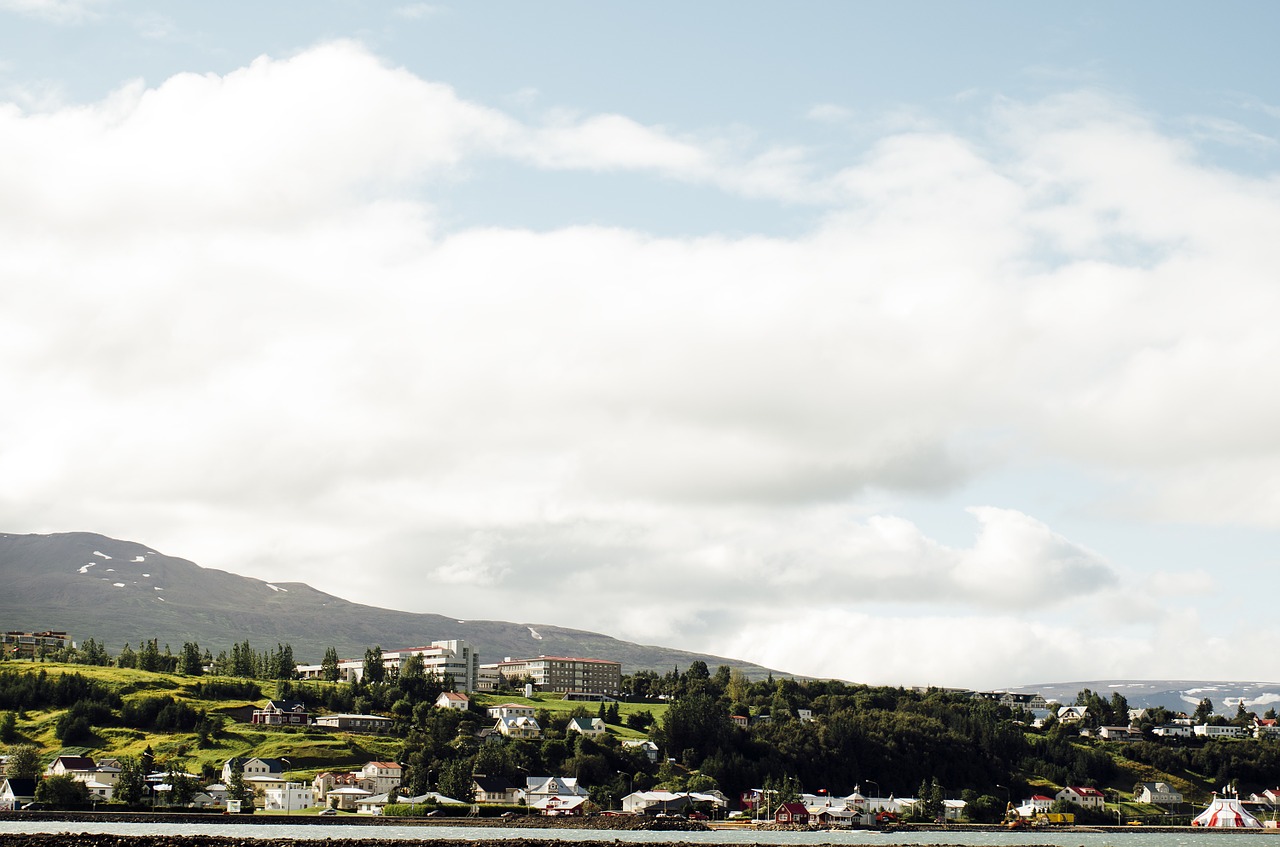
x=1226 y=811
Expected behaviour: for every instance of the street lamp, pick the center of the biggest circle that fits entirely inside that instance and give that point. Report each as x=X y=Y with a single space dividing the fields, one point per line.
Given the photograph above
x=288 y=804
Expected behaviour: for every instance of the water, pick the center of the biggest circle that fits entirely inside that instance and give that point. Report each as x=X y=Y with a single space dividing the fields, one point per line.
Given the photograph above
x=1127 y=838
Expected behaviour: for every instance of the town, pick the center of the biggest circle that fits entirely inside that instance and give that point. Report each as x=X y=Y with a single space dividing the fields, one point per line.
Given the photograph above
x=563 y=736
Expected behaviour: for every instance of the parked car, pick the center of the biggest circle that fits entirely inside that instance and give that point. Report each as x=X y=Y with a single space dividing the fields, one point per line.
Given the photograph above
x=329 y=811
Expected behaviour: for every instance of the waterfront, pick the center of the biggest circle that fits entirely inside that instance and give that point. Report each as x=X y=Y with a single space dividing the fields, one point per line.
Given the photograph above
x=336 y=835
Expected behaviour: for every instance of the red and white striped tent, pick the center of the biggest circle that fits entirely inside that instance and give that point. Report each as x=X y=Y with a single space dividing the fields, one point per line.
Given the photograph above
x=1226 y=811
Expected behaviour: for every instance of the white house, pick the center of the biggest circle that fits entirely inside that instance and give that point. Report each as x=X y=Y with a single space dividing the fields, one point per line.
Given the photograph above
x=382 y=776
x=1082 y=795
x=250 y=767
x=1228 y=731
x=289 y=796
x=518 y=727
x=453 y=700
x=1072 y=714
x=590 y=727
x=510 y=710
x=1156 y=793
x=1172 y=730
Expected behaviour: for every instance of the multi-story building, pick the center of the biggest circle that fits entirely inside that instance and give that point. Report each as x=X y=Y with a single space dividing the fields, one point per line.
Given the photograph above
x=456 y=659
x=565 y=674
x=28 y=645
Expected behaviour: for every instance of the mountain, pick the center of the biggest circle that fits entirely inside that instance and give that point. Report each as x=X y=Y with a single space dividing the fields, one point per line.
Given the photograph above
x=122 y=592
x=1177 y=695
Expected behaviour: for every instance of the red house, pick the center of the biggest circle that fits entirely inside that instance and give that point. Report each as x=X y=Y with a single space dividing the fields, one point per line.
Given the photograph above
x=791 y=813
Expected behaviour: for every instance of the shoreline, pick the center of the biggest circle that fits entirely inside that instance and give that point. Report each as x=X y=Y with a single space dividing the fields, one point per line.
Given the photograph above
x=601 y=824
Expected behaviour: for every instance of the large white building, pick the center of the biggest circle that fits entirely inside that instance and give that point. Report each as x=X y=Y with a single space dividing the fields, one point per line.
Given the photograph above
x=566 y=674
x=456 y=658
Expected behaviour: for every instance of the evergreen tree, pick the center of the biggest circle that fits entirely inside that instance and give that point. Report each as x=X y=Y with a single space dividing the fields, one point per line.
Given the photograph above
x=192 y=662
x=127 y=658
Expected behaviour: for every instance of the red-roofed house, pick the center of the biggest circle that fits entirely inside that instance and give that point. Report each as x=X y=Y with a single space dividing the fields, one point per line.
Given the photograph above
x=1082 y=795
x=791 y=813
x=384 y=776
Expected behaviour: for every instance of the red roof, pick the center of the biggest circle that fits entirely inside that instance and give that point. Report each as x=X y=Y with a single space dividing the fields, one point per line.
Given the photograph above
x=1085 y=791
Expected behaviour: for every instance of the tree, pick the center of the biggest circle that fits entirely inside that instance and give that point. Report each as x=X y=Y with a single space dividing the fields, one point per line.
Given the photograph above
x=455 y=780
x=127 y=658
x=237 y=789
x=8 y=727
x=329 y=665
x=191 y=662
x=182 y=787
x=285 y=667
x=24 y=761
x=62 y=792
x=1203 y=711
x=131 y=783
x=374 y=669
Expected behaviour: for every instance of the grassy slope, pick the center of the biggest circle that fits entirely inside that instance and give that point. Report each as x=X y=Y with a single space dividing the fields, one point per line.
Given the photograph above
x=309 y=750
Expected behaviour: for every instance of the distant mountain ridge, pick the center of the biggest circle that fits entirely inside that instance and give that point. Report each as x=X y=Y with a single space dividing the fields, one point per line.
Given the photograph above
x=1177 y=695
x=120 y=592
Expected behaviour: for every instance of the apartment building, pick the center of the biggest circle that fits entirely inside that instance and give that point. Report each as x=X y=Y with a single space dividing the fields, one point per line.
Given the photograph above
x=566 y=673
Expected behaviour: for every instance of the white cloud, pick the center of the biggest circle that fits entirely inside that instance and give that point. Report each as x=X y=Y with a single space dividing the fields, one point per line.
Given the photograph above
x=233 y=327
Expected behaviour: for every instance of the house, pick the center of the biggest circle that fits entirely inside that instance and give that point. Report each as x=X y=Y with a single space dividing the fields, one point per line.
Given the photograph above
x=655 y=803
x=16 y=791
x=1082 y=795
x=1120 y=733
x=540 y=787
x=590 y=727
x=1036 y=804
x=346 y=798
x=251 y=767
x=453 y=700
x=282 y=713
x=791 y=813
x=510 y=710
x=327 y=781
x=560 y=806
x=355 y=723
x=1226 y=731
x=288 y=796
x=71 y=766
x=1072 y=714
x=740 y=720
x=1172 y=730
x=382 y=776
x=645 y=746
x=520 y=727
x=1156 y=793
x=1265 y=727
x=494 y=789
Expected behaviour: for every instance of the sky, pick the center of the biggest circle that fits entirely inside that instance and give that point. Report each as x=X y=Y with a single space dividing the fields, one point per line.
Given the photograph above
x=917 y=343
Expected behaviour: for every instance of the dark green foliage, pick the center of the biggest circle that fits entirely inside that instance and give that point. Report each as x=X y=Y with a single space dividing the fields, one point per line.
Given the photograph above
x=62 y=792
x=23 y=691
x=222 y=689
x=160 y=714
x=75 y=726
